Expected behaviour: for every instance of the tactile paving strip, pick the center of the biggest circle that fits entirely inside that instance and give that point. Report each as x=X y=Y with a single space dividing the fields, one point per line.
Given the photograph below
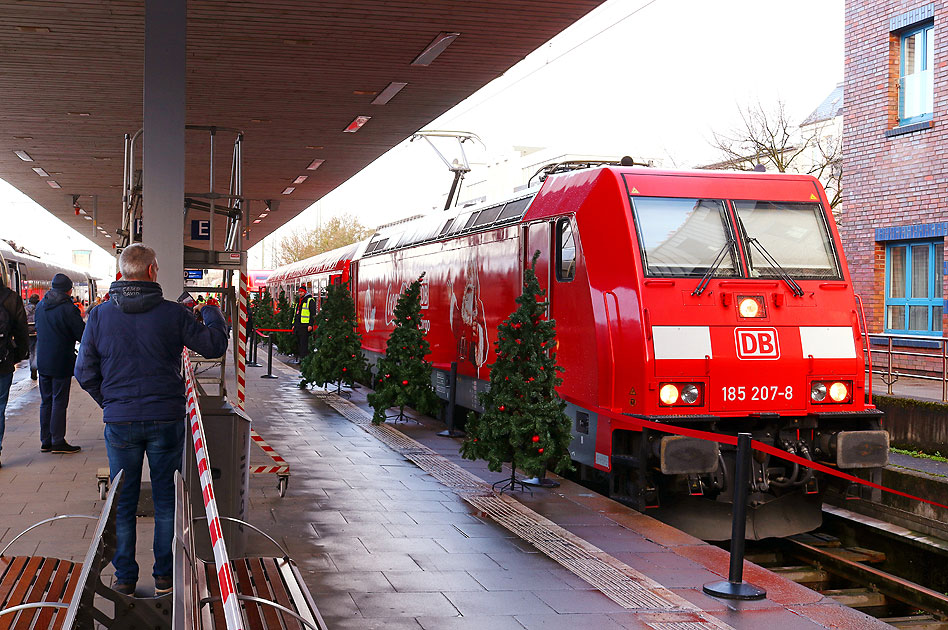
x=613 y=578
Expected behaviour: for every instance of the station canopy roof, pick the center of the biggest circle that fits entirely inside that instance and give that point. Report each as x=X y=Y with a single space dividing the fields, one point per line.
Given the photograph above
x=290 y=74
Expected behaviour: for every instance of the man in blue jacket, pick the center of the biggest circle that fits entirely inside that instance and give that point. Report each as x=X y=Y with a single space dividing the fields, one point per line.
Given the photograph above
x=130 y=363
x=58 y=327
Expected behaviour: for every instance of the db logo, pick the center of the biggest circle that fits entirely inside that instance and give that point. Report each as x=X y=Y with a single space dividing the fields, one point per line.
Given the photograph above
x=757 y=343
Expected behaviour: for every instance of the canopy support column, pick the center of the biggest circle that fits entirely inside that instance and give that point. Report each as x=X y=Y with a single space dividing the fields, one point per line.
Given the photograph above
x=163 y=143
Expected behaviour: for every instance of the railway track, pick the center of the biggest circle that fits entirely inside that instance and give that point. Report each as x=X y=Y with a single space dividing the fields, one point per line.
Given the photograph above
x=867 y=565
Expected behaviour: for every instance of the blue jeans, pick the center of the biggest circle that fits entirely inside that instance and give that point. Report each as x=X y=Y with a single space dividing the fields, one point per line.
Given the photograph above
x=54 y=399
x=127 y=443
x=5 y=381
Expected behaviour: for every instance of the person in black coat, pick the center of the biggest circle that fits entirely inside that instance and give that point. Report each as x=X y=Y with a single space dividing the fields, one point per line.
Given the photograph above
x=58 y=327
x=14 y=349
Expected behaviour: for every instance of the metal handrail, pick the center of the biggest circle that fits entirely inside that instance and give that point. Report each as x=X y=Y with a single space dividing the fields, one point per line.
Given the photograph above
x=890 y=374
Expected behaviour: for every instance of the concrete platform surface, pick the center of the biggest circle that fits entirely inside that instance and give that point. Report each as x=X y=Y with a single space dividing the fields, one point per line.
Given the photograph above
x=383 y=544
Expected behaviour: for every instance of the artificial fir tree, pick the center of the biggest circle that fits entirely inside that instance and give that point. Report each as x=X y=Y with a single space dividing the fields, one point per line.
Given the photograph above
x=523 y=421
x=337 y=356
x=404 y=376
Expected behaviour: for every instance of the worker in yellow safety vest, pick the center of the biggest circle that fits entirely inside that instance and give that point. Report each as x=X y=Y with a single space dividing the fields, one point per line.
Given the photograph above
x=303 y=320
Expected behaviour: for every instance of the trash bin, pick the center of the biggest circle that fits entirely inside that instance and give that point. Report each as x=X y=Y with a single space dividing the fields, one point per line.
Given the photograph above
x=227 y=439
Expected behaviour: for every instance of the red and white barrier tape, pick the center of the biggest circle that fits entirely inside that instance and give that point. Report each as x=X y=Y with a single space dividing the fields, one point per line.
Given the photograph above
x=732 y=440
x=242 y=298
x=225 y=576
x=282 y=468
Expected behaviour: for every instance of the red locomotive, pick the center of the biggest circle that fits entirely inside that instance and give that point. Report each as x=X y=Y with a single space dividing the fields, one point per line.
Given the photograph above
x=711 y=300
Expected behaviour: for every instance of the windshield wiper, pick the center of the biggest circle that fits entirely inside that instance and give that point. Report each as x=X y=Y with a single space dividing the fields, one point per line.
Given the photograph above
x=794 y=287
x=718 y=261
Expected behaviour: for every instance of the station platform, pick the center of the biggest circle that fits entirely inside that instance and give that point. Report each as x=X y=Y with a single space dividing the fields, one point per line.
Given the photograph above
x=391 y=529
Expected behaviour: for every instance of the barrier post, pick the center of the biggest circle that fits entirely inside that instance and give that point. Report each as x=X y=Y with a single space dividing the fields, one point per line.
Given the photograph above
x=253 y=351
x=735 y=587
x=269 y=373
x=452 y=402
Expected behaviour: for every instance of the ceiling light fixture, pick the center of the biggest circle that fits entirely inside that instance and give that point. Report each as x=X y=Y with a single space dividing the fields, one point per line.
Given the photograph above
x=301 y=179
x=435 y=48
x=23 y=155
x=365 y=92
x=79 y=113
x=40 y=172
x=22 y=137
x=315 y=164
x=256 y=221
x=308 y=146
x=389 y=93
x=86 y=217
x=356 y=124
x=263 y=215
x=53 y=183
x=33 y=29
x=288 y=190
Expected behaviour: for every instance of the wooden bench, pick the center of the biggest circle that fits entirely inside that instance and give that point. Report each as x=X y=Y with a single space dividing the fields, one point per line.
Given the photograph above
x=271 y=590
x=34 y=590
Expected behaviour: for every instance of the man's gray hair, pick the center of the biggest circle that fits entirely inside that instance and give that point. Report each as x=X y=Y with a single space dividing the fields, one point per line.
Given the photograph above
x=134 y=261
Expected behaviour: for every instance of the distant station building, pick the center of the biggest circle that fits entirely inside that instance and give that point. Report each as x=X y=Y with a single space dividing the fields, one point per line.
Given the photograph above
x=895 y=155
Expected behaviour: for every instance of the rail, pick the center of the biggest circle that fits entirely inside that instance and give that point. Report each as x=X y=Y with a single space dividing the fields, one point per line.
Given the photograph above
x=232 y=614
x=890 y=372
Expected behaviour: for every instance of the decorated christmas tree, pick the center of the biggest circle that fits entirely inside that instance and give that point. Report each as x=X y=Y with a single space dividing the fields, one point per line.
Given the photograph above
x=337 y=356
x=523 y=421
x=404 y=376
x=283 y=319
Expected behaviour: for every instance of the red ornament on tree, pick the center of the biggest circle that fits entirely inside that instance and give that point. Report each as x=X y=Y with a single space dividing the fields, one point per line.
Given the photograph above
x=539 y=450
x=502 y=408
x=404 y=382
x=536 y=438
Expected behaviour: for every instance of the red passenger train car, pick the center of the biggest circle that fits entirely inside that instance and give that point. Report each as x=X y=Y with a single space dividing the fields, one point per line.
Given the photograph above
x=711 y=300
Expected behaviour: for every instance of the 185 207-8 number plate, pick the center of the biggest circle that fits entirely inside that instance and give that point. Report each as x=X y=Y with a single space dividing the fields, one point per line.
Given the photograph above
x=757 y=393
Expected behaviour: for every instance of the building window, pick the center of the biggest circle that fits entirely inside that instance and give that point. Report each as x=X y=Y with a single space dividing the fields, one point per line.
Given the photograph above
x=915 y=75
x=913 y=297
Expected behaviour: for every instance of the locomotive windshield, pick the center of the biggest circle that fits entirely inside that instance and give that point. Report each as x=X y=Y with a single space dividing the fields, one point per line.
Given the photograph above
x=795 y=235
x=683 y=237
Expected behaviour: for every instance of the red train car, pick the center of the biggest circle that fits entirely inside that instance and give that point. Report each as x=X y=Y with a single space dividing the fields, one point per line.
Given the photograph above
x=717 y=301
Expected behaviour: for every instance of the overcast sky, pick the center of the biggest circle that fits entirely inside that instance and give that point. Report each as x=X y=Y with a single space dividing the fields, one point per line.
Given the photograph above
x=649 y=78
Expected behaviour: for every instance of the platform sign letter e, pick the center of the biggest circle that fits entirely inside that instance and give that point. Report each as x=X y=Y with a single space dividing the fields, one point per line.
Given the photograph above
x=200 y=230
x=757 y=343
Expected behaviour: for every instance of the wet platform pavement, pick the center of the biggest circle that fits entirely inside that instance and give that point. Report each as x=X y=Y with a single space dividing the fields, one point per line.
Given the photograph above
x=382 y=543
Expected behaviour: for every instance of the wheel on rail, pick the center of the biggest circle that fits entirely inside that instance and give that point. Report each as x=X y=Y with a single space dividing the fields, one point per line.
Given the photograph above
x=103 y=489
x=281 y=486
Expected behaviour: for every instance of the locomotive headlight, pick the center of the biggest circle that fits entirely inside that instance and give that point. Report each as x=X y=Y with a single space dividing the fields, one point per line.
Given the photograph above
x=818 y=391
x=839 y=392
x=750 y=307
x=690 y=394
x=668 y=394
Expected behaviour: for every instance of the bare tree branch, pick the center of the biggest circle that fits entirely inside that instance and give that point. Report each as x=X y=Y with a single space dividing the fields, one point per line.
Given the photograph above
x=769 y=138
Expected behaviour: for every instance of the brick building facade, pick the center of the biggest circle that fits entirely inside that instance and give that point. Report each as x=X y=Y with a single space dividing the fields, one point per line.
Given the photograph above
x=895 y=160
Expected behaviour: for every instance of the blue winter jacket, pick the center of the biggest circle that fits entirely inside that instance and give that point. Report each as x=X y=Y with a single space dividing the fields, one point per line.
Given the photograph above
x=58 y=328
x=130 y=356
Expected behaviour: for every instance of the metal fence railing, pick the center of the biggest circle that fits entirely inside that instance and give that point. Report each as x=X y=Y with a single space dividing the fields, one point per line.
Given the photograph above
x=884 y=350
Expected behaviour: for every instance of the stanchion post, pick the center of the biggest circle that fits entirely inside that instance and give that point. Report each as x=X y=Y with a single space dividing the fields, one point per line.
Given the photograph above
x=253 y=351
x=269 y=373
x=735 y=587
x=452 y=403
